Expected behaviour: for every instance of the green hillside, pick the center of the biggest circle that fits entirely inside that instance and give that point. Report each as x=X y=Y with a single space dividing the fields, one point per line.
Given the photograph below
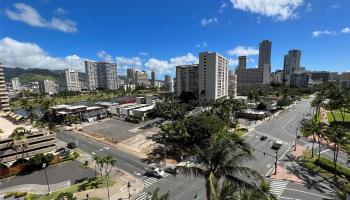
x=29 y=77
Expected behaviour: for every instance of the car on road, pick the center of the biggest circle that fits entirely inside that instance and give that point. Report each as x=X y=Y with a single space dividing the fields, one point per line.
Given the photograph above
x=276 y=145
x=263 y=138
x=155 y=172
x=71 y=145
x=171 y=169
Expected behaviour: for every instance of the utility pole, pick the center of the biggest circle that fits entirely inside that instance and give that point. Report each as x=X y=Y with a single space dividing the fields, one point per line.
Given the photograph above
x=164 y=153
x=276 y=162
x=47 y=180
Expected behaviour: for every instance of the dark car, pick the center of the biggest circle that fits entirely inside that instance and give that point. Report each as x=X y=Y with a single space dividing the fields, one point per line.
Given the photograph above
x=263 y=138
x=277 y=145
x=171 y=170
x=61 y=150
x=71 y=145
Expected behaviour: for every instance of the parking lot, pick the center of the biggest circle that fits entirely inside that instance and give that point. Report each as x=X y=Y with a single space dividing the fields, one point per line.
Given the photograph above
x=116 y=129
x=70 y=170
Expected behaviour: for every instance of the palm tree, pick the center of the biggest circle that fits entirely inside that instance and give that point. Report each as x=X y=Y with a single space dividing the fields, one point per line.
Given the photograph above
x=338 y=135
x=312 y=127
x=222 y=158
x=18 y=137
x=110 y=163
x=317 y=103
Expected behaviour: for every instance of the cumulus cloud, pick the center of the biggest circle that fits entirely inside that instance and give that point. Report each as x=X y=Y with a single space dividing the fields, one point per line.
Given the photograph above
x=29 y=55
x=345 y=30
x=323 y=32
x=206 y=22
x=243 y=51
x=27 y=14
x=278 y=9
x=104 y=56
x=168 y=66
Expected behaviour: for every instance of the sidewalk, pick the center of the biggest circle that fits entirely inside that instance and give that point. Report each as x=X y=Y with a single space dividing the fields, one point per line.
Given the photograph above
x=118 y=190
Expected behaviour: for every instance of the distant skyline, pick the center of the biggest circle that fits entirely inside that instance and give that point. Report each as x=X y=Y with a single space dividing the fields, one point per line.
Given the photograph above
x=159 y=35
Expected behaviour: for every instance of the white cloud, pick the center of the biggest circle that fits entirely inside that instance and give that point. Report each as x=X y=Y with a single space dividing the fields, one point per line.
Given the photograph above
x=222 y=6
x=233 y=62
x=60 y=11
x=104 y=56
x=143 y=53
x=124 y=62
x=345 y=30
x=278 y=9
x=168 y=66
x=29 y=55
x=323 y=32
x=243 y=51
x=206 y=22
x=27 y=14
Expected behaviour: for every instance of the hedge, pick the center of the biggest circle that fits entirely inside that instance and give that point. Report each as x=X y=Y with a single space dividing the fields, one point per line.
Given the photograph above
x=329 y=166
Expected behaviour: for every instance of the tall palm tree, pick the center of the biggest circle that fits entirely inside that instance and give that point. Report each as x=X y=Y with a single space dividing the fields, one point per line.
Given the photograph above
x=338 y=135
x=110 y=163
x=312 y=127
x=317 y=103
x=222 y=158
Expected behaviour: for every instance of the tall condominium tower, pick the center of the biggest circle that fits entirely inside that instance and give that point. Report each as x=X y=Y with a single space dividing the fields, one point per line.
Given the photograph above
x=168 y=83
x=212 y=76
x=264 y=53
x=242 y=62
x=291 y=63
x=70 y=81
x=101 y=75
x=187 y=79
x=131 y=76
x=153 y=78
x=4 y=99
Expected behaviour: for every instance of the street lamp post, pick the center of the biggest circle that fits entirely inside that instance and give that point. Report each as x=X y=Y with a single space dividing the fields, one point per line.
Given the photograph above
x=47 y=180
x=129 y=186
x=164 y=152
x=296 y=139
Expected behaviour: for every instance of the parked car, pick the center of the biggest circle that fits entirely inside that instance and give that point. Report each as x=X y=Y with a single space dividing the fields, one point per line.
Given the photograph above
x=71 y=145
x=171 y=169
x=155 y=172
x=276 y=145
x=263 y=138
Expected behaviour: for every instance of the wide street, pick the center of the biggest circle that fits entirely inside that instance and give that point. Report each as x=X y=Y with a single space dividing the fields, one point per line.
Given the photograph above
x=281 y=128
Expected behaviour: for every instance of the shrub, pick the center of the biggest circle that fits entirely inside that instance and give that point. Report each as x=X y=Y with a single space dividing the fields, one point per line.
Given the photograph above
x=329 y=166
x=17 y=195
x=75 y=155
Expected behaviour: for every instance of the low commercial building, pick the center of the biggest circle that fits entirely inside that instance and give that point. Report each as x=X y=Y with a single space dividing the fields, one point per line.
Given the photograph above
x=39 y=142
x=84 y=113
x=300 y=80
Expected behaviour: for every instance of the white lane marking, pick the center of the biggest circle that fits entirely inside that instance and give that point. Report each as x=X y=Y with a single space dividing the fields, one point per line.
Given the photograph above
x=93 y=153
x=308 y=193
x=150 y=181
x=143 y=196
x=325 y=150
x=106 y=147
x=277 y=187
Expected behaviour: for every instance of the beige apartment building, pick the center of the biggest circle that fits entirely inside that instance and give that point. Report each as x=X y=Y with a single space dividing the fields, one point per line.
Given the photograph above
x=4 y=99
x=101 y=75
x=212 y=76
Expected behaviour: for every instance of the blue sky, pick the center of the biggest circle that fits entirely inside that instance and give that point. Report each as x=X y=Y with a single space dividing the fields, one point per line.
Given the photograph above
x=157 y=35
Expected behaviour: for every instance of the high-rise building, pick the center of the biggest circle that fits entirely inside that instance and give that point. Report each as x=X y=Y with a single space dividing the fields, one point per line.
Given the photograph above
x=232 y=84
x=16 y=85
x=142 y=79
x=169 y=83
x=242 y=62
x=101 y=75
x=345 y=76
x=264 y=53
x=187 y=79
x=4 y=99
x=47 y=87
x=153 y=78
x=277 y=77
x=291 y=63
x=212 y=76
x=70 y=81
x=131 y=76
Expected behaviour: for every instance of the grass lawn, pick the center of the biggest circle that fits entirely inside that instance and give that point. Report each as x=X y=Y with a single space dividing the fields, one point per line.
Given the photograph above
x=339 y=119
x=308 y=163
x=85 y=185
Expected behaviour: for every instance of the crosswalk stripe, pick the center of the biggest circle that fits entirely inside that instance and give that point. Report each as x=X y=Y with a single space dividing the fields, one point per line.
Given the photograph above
x=277 y=187
x=143 y=196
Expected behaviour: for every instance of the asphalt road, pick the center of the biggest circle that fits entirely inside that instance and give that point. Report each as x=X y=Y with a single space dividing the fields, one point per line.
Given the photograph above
x=281 y=128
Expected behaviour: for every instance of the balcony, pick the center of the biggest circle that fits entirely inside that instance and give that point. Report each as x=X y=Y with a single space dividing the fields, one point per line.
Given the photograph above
x=27 y=149
x=28 y=154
